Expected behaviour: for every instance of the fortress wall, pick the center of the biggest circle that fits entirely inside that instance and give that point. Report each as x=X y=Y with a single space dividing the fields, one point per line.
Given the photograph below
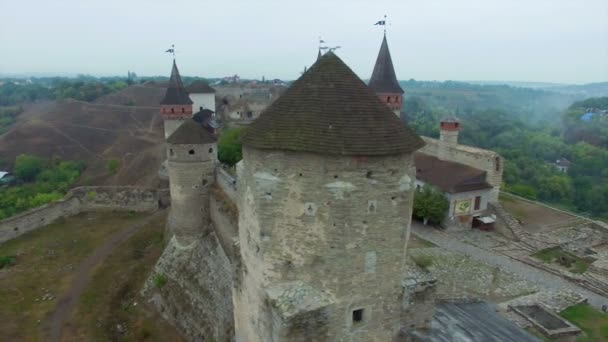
x=225 y=221
x=227 y=183
x=78 y=200
x=35 y=218
x=197 y=297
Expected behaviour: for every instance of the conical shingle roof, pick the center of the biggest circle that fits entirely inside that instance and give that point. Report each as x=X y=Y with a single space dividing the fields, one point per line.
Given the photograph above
x=176 y=93
x=329 y=110
x=191 y=133
x=383 y=78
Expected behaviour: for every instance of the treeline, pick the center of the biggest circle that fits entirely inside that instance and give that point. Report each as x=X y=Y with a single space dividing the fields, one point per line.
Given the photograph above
x=38 y=182
x=530 y=149
x=84 y=89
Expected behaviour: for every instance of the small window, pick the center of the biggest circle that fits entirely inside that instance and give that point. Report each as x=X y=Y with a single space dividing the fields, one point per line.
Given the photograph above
x=358 y=316
x=191 y=152
x=456 y=124
x=369 y=174
x=477 y=202
x=388 y=99
x=497 y=164
x=172 y=110
x=171 y=152
x=211 y=150
x=183 y=110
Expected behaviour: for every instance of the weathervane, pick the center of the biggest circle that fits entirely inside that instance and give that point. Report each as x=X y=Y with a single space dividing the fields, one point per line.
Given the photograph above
x=382 y=23
x=172 y=50
x=325 y=47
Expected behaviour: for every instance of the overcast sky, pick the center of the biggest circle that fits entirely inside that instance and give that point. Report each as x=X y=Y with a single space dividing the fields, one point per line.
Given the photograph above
x=562 y=41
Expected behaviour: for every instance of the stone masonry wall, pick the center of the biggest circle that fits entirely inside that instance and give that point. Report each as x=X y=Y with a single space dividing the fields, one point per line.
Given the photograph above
x=81 y=199
x=340 y=226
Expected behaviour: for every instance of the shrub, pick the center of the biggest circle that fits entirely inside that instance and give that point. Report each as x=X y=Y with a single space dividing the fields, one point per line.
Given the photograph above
x=229 y=149
x=112 y=165
x=430 y=205
x=423 y=261
x=160 y=280
x=7 y=261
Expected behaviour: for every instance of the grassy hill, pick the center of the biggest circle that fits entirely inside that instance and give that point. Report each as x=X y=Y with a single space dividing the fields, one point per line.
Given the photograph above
x=95 y=133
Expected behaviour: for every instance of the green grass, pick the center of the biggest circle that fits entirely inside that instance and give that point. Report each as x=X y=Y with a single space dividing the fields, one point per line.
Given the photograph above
x=7 y=261
x=593 y=322
x=552 y=255
x=423 y=261
x=418 y=242
x=46 y=262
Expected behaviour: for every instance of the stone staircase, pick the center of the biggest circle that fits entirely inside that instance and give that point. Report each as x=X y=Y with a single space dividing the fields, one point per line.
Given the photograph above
x=518 y=232
x=595 y=283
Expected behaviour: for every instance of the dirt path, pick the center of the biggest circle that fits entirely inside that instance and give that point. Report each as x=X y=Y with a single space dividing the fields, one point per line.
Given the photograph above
x=65 y=305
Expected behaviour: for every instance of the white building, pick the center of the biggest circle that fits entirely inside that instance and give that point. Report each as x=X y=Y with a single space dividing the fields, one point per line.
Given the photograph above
x=202 y=96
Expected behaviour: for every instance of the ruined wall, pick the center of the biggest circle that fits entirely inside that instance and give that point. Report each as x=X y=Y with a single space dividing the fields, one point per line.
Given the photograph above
x=197 y=297
x=82 y=199
x=486 y=160
x=227 y=183
x=338 y=225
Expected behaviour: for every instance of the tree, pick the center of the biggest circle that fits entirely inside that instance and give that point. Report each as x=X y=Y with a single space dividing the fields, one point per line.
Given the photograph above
x=28 y=167
x=229 y=146
x=112 y=165
x=430 y=205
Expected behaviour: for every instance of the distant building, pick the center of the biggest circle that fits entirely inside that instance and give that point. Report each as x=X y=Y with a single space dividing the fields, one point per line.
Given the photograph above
x=202 y=96
x=562 y=165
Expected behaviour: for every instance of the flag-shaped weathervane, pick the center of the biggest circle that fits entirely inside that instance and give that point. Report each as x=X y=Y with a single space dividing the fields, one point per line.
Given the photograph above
x=172 y=50
x=382 y=23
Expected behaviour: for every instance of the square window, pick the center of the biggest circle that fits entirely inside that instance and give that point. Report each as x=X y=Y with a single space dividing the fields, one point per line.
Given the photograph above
x=358 y=316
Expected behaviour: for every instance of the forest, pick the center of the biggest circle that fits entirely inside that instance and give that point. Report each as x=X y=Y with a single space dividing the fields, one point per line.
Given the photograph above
x=531 y=139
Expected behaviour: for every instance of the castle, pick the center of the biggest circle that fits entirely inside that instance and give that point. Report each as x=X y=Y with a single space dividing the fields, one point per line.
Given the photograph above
x=308 y=242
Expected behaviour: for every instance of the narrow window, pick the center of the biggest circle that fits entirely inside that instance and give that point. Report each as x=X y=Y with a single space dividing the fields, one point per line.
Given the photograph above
x=200 y=108
x=477 y=202
x=497 y=163
x=183 y=110
x=172 y=110
x=369 y=174
x=358 y=316
x=171 y=152
x=388 y=99
x=211 y=150
x=191 y=152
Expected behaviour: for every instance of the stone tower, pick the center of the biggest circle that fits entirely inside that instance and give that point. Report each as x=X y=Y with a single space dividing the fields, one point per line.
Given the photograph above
x=384 y=81
x=176 y=106
x=191 y=155
x=325 y=200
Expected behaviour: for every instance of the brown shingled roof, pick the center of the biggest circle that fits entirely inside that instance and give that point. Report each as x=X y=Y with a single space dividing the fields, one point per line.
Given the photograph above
x=449 y=176
x=384 y=79
x=190 y=132
x=199 y=87
x=176 y=93
x=329 y=110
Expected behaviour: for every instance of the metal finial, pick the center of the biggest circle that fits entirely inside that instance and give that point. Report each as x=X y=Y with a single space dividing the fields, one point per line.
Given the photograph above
x=172 y=50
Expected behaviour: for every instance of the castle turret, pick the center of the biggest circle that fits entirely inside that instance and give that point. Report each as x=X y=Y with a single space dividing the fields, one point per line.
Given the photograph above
x=325 y=202
x=191 y=155
x=448 y=130
x=384 y=80
x=176 y=106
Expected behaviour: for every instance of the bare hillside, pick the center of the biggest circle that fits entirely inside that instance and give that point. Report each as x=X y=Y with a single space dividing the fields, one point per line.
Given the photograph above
x=95 y=133
x=141 y=95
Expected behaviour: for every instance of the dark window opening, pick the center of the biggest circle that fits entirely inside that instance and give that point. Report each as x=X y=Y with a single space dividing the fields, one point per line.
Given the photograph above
x=191 y=152
x=171 y=152
x=172 y=110
x=388 y=99
x=477 y=202
x=204 y=182
x=358 y=316
x=456 y=124
x=335 y=176
x=250 y=114
x=211 y=150
x=497 y=163
x=369 y=174
x=183 y=110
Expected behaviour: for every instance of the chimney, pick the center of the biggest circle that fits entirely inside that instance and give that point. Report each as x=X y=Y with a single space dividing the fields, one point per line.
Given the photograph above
x=448 y=130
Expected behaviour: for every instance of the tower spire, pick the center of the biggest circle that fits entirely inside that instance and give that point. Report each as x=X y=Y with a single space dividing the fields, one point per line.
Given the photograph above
x=384 y=80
